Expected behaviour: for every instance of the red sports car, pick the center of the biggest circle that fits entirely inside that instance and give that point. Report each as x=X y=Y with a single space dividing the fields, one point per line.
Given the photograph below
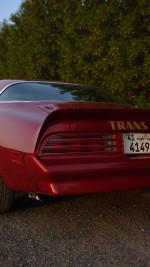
x=66 y=139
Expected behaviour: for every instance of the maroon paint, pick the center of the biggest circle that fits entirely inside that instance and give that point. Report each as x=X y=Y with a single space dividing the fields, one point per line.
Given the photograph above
x=24 y=126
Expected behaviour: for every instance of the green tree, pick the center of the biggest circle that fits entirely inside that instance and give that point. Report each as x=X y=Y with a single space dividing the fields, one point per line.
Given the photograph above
x=95 y=42
x=32 y=49
x=107 y=43
x=4 y=44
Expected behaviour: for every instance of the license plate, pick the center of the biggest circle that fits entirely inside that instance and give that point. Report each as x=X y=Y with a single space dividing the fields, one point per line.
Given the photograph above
x=136 y=143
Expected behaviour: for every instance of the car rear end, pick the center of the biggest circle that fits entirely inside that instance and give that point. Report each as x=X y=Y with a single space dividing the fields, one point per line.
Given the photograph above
x=90 y=147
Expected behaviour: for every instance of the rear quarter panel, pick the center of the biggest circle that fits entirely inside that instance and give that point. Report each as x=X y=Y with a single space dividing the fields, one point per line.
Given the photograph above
x=20 y=124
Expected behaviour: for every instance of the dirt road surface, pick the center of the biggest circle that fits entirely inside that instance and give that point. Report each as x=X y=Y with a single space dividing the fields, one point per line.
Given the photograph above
x=108 y=229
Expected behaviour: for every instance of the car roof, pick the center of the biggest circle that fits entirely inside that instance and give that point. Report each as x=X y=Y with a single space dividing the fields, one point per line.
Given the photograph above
x=5 y=83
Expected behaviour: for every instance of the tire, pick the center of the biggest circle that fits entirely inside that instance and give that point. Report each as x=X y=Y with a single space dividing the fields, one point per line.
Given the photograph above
x=7 y=197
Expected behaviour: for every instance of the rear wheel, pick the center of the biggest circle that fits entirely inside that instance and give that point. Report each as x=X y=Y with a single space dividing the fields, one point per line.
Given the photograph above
x=6 y=197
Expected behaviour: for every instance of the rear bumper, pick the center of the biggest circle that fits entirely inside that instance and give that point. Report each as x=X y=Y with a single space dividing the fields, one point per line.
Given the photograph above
x=51 y=177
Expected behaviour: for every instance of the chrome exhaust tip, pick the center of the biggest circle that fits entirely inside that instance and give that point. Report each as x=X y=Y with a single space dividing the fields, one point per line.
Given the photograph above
x=35 y=196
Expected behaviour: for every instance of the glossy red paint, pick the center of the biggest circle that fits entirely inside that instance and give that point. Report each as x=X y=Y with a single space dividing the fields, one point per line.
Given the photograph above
x=25 y=125
x=87 y=174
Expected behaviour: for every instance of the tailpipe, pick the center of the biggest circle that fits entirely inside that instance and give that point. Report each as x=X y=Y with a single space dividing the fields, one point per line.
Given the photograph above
x=35 y=196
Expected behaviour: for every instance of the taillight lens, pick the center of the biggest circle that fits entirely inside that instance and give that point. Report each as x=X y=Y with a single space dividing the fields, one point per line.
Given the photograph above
x=78 y=143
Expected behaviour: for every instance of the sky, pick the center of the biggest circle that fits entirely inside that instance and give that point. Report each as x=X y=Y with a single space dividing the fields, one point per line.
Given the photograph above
x=7 y=7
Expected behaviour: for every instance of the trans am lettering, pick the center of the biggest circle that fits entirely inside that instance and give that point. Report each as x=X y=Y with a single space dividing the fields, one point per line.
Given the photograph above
x=128 y=125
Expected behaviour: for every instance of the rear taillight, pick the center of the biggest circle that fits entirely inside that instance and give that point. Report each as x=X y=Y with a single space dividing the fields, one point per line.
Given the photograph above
x=81 y=143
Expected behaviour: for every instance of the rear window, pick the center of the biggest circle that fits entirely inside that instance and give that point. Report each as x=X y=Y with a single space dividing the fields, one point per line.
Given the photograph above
x=37 y=91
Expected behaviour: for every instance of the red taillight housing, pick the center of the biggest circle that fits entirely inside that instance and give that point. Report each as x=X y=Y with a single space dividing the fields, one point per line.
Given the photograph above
x=81 y=143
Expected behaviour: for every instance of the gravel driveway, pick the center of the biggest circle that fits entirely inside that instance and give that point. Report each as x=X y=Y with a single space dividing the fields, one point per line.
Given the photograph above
x=108 y=229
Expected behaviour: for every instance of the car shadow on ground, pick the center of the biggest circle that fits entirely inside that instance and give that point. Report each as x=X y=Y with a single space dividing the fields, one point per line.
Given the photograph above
x=25 y=203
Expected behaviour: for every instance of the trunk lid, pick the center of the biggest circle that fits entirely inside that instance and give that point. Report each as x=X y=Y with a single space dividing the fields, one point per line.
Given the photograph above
x=86 y=116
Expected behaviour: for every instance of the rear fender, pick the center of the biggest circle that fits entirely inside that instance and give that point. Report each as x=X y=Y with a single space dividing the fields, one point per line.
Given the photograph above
x=20 y=126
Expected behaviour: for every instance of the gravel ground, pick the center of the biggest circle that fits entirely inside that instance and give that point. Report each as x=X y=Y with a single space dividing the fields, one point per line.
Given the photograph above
x=108 y=229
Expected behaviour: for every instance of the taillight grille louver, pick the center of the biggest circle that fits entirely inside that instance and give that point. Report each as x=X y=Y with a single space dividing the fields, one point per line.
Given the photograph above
x=81 y=143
